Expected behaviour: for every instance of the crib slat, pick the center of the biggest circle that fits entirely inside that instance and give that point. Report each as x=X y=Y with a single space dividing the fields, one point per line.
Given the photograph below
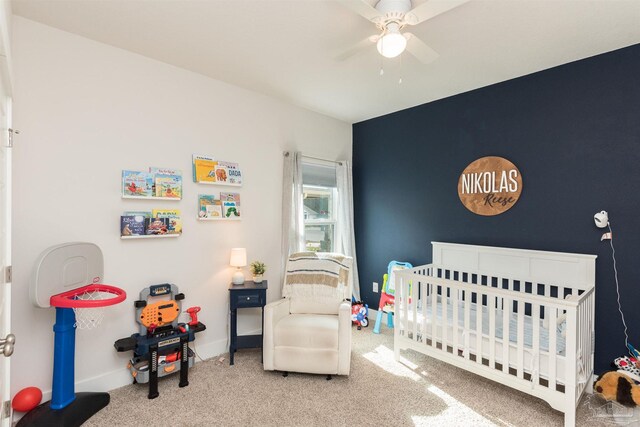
x=404 y=301
x=520 y=338
x=506 y=340
x=479 y=328
x=445 y=319
x=434 y=314
x=584 y=334
x=467 y=323
x=424 y=300
x=553 y=319
x=535 y=318
x=454 y=322
x=491 y=306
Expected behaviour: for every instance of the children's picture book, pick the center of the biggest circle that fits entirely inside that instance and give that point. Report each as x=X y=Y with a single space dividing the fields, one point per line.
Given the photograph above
x=209 y=206
x=167 y=182
x=132 y=225
x=204 y=168
x=168 y=186
x=222 y=176
x=173 y=215
x=230 y=197
x=203 y=201
x=175 y=225
x=230 y=205
x=154 y=226
x=137 y=183
x=214 y=210
x=232 y=170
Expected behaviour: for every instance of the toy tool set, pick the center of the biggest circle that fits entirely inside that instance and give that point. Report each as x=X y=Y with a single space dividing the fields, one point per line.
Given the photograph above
x=162 y=346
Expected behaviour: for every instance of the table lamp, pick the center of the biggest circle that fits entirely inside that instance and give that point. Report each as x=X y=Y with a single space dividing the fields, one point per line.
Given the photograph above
x=239 y=260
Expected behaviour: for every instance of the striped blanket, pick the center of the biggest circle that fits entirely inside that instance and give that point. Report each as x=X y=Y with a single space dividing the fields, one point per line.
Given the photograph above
x=317 y=275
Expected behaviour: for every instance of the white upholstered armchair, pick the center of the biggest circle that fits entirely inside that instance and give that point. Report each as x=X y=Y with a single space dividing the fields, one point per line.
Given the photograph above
x=309 y=330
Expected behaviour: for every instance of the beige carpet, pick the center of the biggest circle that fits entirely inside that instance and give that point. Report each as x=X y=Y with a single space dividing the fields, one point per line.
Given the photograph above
x=379 y=391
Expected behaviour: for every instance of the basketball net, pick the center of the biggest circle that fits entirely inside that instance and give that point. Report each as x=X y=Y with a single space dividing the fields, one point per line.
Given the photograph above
x=90 y=318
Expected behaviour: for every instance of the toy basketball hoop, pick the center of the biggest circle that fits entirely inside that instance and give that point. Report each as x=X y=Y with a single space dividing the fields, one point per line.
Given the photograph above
x=88 y=303
x=67 y=277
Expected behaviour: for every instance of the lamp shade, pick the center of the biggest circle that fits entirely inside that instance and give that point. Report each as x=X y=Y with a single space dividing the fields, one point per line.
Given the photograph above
x=238 y=257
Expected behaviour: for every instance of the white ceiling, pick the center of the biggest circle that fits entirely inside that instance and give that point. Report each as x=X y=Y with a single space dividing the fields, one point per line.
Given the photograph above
x=288 y=48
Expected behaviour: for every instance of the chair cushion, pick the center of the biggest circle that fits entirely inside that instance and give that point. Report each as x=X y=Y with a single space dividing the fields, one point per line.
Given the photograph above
x=307 y=330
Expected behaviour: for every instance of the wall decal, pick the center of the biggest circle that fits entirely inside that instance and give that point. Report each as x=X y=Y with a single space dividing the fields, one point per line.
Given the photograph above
x=490 y=186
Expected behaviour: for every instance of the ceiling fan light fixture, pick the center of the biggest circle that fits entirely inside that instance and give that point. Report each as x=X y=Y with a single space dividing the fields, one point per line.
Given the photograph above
x=391 y=43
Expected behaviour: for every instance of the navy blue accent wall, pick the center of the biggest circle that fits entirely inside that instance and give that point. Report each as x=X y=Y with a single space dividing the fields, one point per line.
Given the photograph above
x=574 y=133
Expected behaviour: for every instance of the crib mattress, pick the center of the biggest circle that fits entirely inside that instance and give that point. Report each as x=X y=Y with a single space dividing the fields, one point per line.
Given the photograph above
x=541 y=365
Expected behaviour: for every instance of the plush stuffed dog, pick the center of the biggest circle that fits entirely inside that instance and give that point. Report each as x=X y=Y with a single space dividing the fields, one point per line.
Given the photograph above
x=618 y=387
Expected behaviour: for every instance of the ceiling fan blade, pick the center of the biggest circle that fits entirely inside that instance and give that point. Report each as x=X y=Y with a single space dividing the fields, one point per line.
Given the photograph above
x=431 y=9
x=420 y=50
x=359 y=47
x=362 y=8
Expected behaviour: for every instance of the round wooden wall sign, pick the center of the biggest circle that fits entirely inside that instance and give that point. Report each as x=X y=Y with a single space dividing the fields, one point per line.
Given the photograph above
x=490 y=186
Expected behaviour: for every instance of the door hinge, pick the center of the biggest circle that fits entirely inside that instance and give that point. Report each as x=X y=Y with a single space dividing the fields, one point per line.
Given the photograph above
x=6 y=409
x=8 y=274
x=12 y=132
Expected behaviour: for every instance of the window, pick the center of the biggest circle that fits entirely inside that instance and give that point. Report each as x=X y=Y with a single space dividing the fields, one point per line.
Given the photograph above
x=319 y=218
x=320 y=207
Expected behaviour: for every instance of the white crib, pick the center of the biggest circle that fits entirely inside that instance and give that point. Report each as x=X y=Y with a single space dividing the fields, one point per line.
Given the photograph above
x=461 y=308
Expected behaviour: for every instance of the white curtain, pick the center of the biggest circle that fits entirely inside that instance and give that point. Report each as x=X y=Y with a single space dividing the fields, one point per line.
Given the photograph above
x=292 y=209
x=346 y=236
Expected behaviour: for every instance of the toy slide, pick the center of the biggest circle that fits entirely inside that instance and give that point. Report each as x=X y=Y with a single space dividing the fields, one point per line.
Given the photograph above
x=387 y=296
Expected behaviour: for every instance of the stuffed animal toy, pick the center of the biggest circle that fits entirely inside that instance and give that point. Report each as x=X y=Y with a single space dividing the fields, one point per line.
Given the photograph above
x=618 y=387
x=359 y=314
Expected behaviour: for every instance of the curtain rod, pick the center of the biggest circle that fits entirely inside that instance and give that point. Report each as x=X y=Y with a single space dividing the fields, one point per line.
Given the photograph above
x=286 y=154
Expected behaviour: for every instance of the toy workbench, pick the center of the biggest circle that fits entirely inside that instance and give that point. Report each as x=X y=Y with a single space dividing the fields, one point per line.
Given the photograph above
x=161 y=347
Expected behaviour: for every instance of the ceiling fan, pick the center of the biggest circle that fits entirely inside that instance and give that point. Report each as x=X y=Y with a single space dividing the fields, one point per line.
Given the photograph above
x=391 y=17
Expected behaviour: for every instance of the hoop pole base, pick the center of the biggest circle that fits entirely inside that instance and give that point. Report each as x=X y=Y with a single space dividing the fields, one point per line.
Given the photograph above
x=86 y=405
x=63 y=391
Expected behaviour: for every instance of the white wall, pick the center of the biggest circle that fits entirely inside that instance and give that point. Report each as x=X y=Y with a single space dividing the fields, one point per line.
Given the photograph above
x=86 y=111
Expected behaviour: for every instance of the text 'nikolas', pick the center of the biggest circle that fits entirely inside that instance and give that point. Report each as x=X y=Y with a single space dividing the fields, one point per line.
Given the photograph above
x=487 y=182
